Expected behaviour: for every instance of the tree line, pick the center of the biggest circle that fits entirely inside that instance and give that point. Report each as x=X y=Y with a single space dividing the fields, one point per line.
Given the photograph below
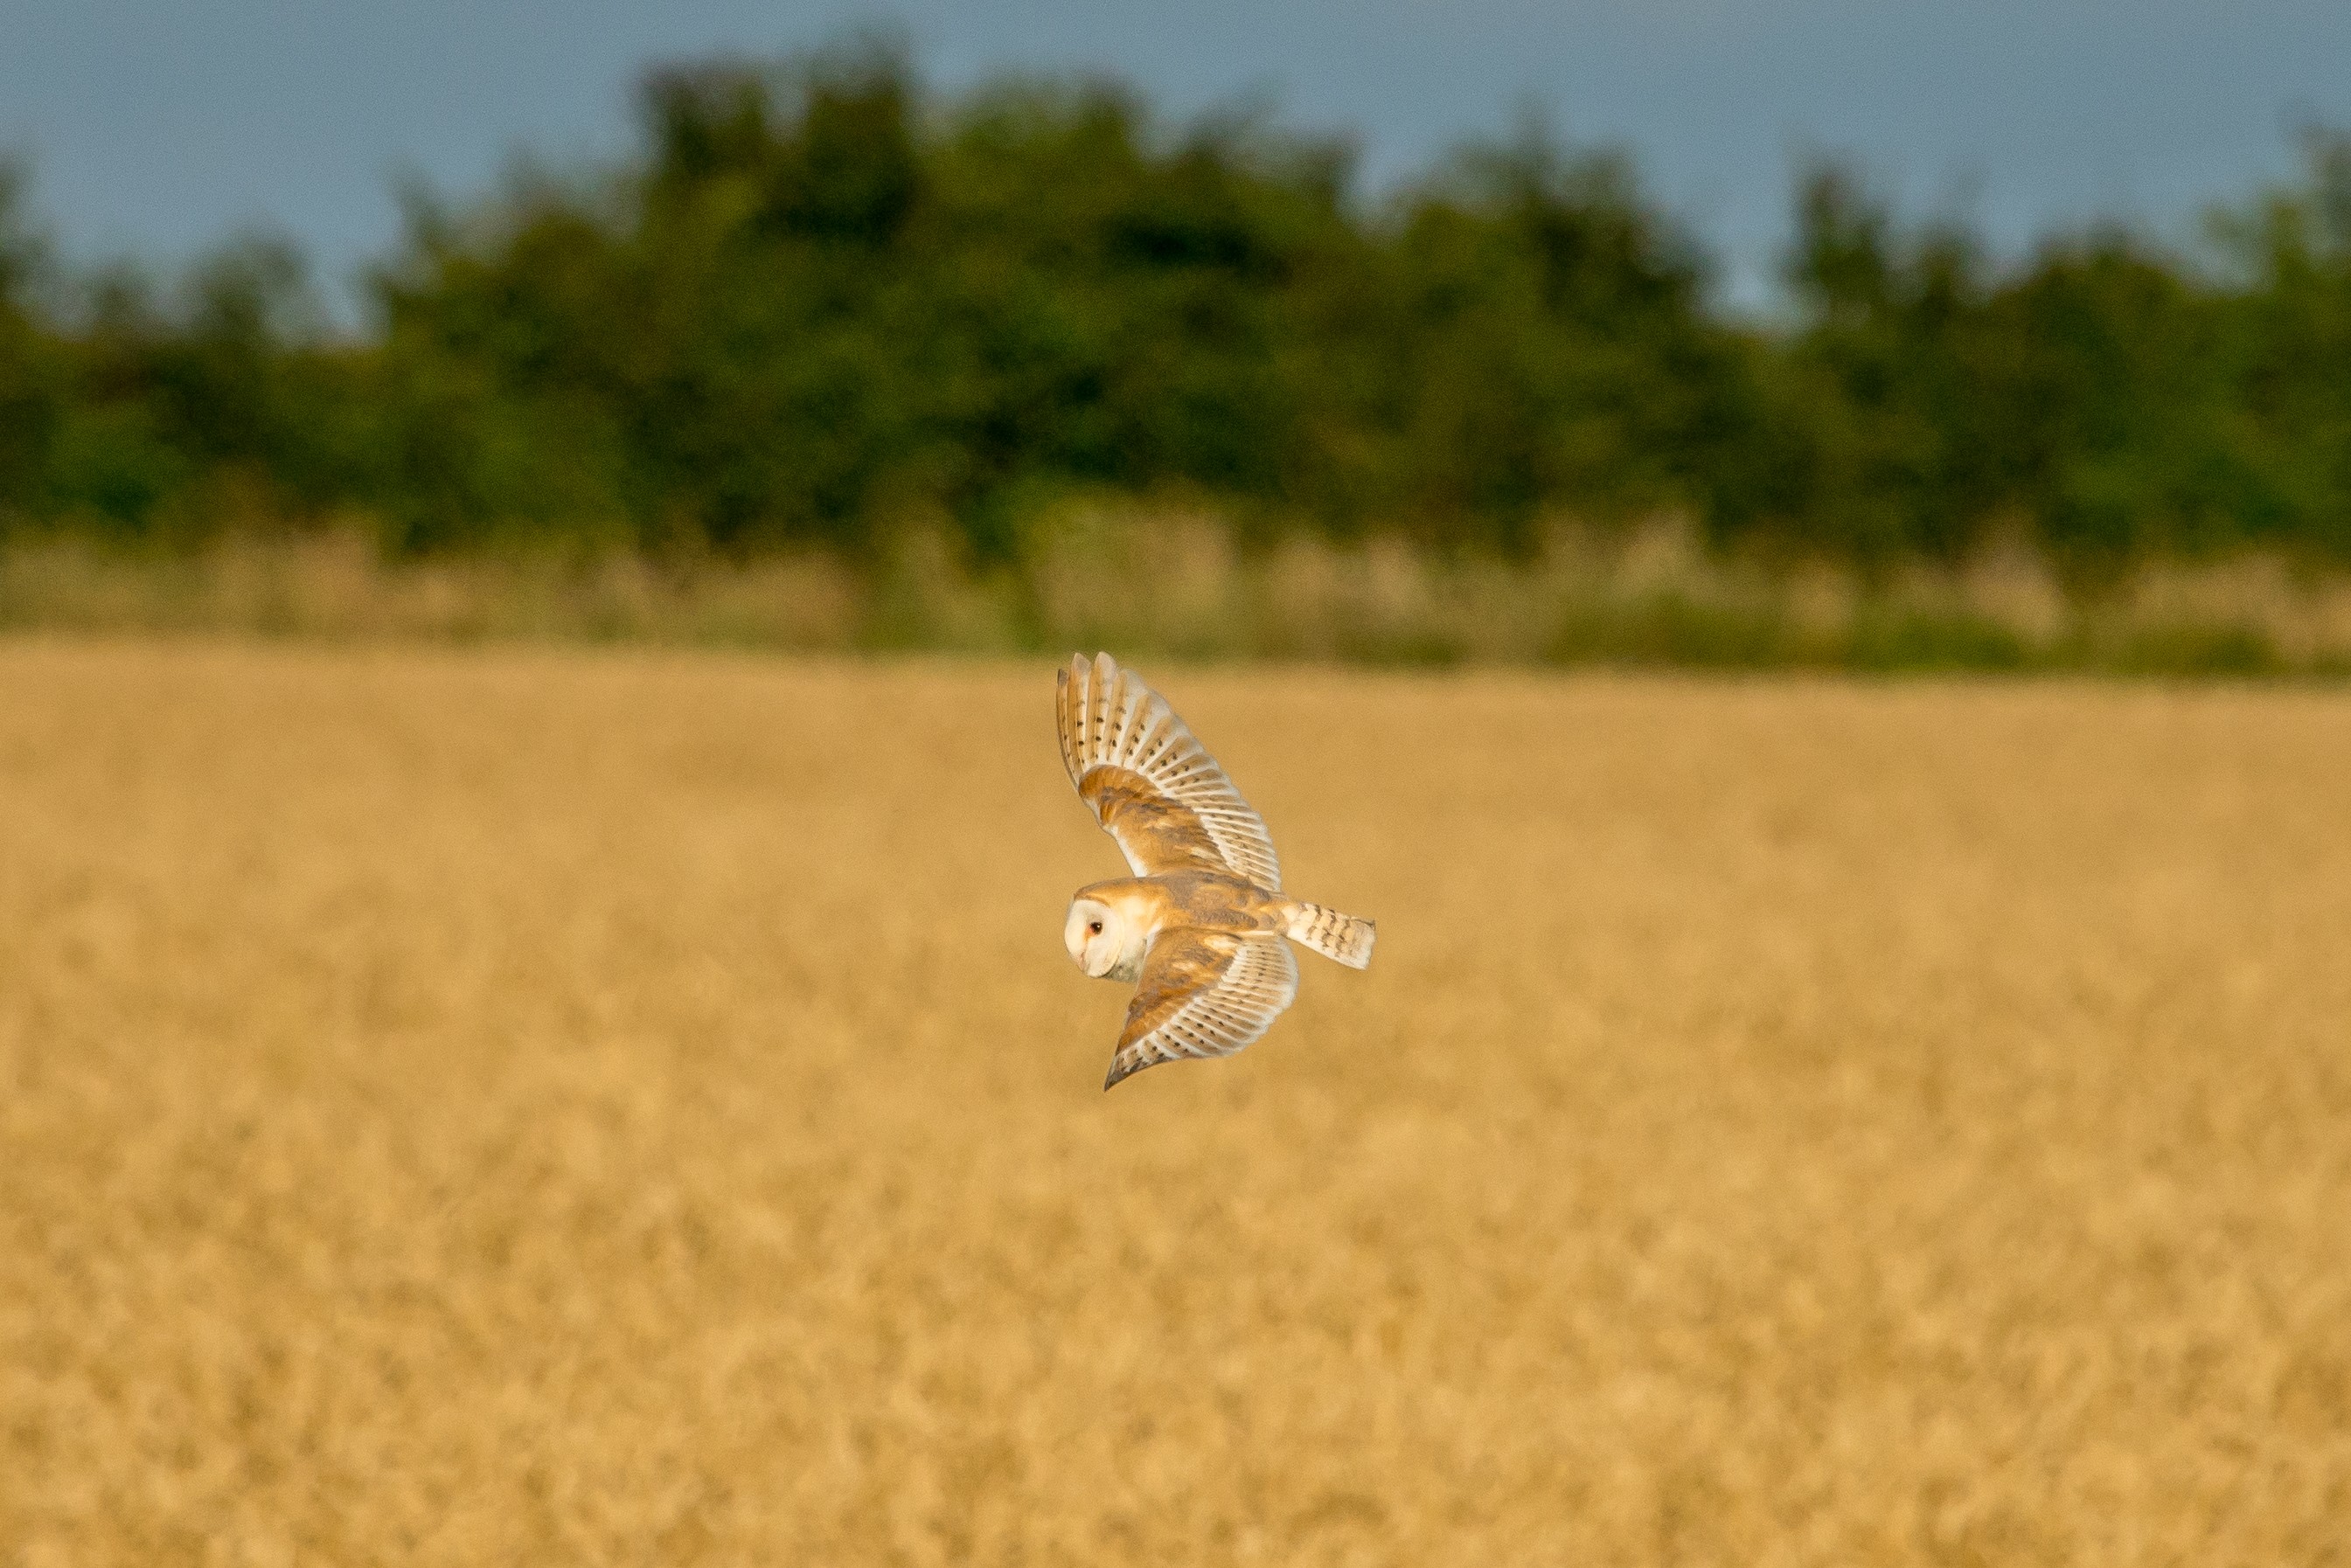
x=815 y=303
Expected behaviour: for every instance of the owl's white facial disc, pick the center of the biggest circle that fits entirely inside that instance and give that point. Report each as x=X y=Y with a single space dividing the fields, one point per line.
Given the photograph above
x=1095 y=934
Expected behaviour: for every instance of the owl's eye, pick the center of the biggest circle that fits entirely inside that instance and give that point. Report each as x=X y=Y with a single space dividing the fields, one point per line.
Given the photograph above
x=1095 y=928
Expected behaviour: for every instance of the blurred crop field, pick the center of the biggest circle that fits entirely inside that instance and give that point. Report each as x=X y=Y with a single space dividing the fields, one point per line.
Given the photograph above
x=542 y=1106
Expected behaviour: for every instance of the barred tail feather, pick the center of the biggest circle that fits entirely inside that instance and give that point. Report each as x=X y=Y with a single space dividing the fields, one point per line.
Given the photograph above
x=1336 y=936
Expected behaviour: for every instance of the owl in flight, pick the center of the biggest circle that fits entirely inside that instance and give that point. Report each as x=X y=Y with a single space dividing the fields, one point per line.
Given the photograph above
x=1200 y=924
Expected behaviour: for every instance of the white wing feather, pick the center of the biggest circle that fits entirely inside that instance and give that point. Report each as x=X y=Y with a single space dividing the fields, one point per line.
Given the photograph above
x=1116 y=720
x=1219 y=1019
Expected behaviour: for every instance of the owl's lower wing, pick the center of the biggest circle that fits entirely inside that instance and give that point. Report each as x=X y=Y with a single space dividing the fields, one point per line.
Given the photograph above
x=1152 y=786
x=1204 y=993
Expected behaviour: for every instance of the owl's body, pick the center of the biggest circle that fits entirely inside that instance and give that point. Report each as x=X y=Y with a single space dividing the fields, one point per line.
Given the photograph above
x=1201 y=925
x=1184 y=901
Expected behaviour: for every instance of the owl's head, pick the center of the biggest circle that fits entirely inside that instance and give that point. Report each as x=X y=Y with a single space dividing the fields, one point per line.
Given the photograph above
x=1099 y=938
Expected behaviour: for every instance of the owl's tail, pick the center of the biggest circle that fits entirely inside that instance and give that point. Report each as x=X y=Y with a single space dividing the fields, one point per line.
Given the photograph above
x=1333 y=935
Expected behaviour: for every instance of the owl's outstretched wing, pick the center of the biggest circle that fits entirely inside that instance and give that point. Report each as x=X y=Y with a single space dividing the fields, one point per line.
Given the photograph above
x=1152 y=785
x=1203 y=994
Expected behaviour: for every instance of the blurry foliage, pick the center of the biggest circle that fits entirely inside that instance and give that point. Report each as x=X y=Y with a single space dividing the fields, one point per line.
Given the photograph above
x=816 y=309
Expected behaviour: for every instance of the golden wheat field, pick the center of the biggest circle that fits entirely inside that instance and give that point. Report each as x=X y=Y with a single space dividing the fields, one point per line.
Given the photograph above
x=528 y=1107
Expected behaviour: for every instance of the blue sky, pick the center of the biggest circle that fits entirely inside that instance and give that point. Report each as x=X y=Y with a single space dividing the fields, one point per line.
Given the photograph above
x=157 y=128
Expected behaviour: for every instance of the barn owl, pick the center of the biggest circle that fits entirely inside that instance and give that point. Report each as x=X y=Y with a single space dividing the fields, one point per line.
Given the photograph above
x=1200 y=924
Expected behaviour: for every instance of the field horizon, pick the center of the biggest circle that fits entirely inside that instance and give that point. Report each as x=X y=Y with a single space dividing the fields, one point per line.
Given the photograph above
x=525 y=1103
x=1179 y=585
